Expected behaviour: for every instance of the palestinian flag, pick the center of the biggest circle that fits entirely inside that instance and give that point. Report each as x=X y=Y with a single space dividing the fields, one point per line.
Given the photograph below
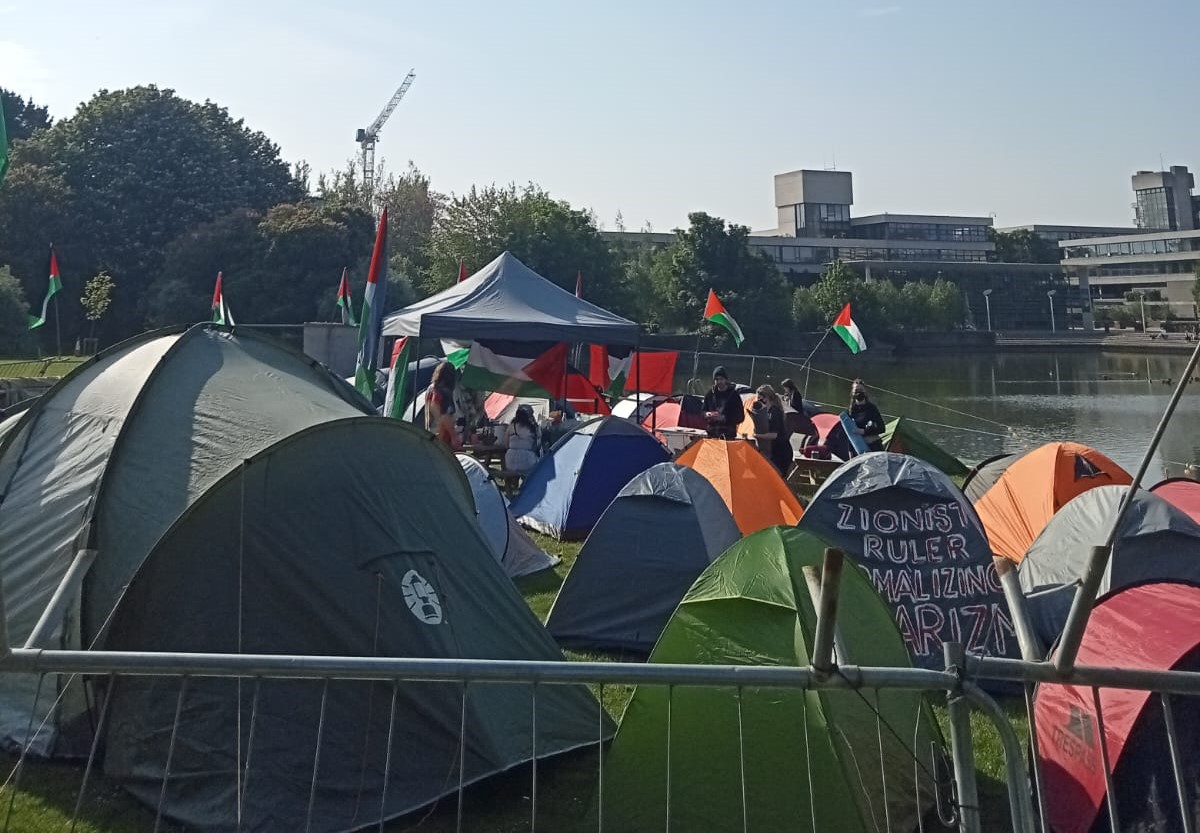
x=370 y=324
x=54 y=287
x=398 y=382
x=517 y=368
x=462 y=270
x=845 y=327
x=344 y=302
x=220 y=312
x=3 y=145
x=715 y=312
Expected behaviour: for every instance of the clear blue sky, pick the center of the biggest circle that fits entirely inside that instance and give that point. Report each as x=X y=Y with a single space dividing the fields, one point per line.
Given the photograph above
x=1036 y=110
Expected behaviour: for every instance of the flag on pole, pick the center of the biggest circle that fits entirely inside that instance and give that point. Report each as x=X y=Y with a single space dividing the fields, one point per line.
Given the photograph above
x=462 y=270
x=55 y=286
x=345 y=302
x=845 y=327
x=715 y=312
x=220 y=311
x=3 y=145
x=397 y=390
x=579 y=284
x=370 y=323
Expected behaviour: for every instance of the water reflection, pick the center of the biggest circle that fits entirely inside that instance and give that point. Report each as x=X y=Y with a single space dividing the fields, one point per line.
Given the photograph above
x=983 y=405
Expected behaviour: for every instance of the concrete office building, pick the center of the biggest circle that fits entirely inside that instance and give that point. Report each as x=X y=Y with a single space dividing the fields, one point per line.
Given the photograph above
x=1055 y=234
x=1162 y=264
x=1163 y=200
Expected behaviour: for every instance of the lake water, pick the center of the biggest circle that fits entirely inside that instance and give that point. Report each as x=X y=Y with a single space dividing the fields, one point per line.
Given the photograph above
x=981 y=405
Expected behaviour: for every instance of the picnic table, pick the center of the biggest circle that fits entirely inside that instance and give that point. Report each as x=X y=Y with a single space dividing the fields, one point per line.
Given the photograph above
x=492 y=457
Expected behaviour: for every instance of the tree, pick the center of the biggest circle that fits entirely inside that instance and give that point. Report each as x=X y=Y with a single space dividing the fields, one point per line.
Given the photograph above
x=838 y=286
x=1023 y=246
x=138 y=168
x=22 y=118
x=712 y=255
x=14 y=315
x=96 y=298
x=547 y=235
x=281 y=266
x=806 y=312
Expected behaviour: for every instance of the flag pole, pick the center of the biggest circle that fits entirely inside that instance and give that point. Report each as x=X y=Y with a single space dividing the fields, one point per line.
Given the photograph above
x=57 y=328
x=808 y=361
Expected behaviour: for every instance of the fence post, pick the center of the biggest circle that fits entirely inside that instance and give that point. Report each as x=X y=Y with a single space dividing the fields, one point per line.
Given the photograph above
x=827 y=607
x=1032 y=649
x=961 y=747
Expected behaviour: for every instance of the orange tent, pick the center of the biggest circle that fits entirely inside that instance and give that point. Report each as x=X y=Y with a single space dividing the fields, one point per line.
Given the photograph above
x=746 y=481
x=1035 y=486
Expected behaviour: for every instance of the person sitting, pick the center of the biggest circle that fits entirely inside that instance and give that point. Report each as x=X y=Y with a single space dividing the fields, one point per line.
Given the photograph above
x=867 y=419
x=439 y=406
x=524 y=441
x=723 y=407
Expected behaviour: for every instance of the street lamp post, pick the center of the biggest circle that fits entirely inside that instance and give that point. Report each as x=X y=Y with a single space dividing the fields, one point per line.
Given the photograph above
x=1050 y=294
x=987 y=300
x=1141 y=293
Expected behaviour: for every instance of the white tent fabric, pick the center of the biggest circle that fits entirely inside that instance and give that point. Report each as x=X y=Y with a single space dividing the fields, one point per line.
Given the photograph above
x=508 y=300
x=510 y=544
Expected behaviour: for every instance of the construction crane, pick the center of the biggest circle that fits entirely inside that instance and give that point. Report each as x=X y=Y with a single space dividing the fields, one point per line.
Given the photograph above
x=366 y=137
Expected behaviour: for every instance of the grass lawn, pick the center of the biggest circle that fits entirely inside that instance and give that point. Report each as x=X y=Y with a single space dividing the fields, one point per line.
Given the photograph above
x=502 y=804
x=37 y=368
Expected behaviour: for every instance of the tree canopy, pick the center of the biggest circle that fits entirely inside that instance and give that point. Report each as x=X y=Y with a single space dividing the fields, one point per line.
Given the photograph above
x=121 y=179
x=22 y=118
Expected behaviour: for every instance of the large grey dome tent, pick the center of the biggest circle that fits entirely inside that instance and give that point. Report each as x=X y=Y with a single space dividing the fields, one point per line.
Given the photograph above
x=1157 y=542
x=652 y=542
x=222 y=483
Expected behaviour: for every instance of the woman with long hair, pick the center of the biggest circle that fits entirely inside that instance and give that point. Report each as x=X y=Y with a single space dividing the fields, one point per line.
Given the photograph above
x=439 y=406
x=776 y=441
x=524 y=441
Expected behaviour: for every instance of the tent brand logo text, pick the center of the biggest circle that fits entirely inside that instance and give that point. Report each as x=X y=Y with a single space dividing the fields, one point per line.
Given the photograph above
x=421 y=598
x=1077 y=738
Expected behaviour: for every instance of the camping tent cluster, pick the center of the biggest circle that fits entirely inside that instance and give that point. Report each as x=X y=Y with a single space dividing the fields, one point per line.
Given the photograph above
x=214 y=488
x=209 y=490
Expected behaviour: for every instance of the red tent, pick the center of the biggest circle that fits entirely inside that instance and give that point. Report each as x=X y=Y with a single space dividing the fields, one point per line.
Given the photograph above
x=1181 y=492
x=1149 y=626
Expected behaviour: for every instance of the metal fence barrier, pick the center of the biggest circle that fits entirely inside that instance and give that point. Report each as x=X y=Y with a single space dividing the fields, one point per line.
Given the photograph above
x=962 y=696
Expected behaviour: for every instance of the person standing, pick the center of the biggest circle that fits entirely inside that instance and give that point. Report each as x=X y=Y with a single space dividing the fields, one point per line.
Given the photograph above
x=796 y=415
x=723 y=407
x=439 y=406
x=867 y=419
x=524 y=441
x=776 y=442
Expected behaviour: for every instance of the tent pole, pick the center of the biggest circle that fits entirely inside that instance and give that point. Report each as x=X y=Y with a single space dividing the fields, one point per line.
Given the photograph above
x=417 y=354
x=63 y=594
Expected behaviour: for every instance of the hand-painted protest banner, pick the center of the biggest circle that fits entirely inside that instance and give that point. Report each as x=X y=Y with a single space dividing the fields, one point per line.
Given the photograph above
x=927 y=555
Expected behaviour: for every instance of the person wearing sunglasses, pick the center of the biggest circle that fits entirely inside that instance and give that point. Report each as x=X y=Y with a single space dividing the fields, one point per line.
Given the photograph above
x=866 y=416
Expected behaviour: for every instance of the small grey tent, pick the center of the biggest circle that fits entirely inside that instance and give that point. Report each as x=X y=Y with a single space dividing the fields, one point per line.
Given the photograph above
x=652 y=542
x=511 y=545
x=983 y=476
x=1157 y=542
x=219 y=485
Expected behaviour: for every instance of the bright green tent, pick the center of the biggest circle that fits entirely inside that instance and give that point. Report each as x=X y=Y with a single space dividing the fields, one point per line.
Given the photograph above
x=900 y=436
x=752 y=606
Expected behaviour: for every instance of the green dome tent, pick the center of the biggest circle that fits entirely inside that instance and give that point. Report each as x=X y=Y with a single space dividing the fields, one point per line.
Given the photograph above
x=900 y=436
x=224 y=486
x=753 y=606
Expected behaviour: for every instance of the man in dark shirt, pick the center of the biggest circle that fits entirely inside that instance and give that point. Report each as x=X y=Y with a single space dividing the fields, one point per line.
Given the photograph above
x=723 y=407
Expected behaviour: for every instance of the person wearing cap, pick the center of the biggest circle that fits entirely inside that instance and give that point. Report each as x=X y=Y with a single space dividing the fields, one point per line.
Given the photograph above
x=723 y=407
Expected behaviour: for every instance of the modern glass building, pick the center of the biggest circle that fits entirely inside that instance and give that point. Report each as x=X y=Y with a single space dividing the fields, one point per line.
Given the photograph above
x=1163 y=200
x=1161 y=264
